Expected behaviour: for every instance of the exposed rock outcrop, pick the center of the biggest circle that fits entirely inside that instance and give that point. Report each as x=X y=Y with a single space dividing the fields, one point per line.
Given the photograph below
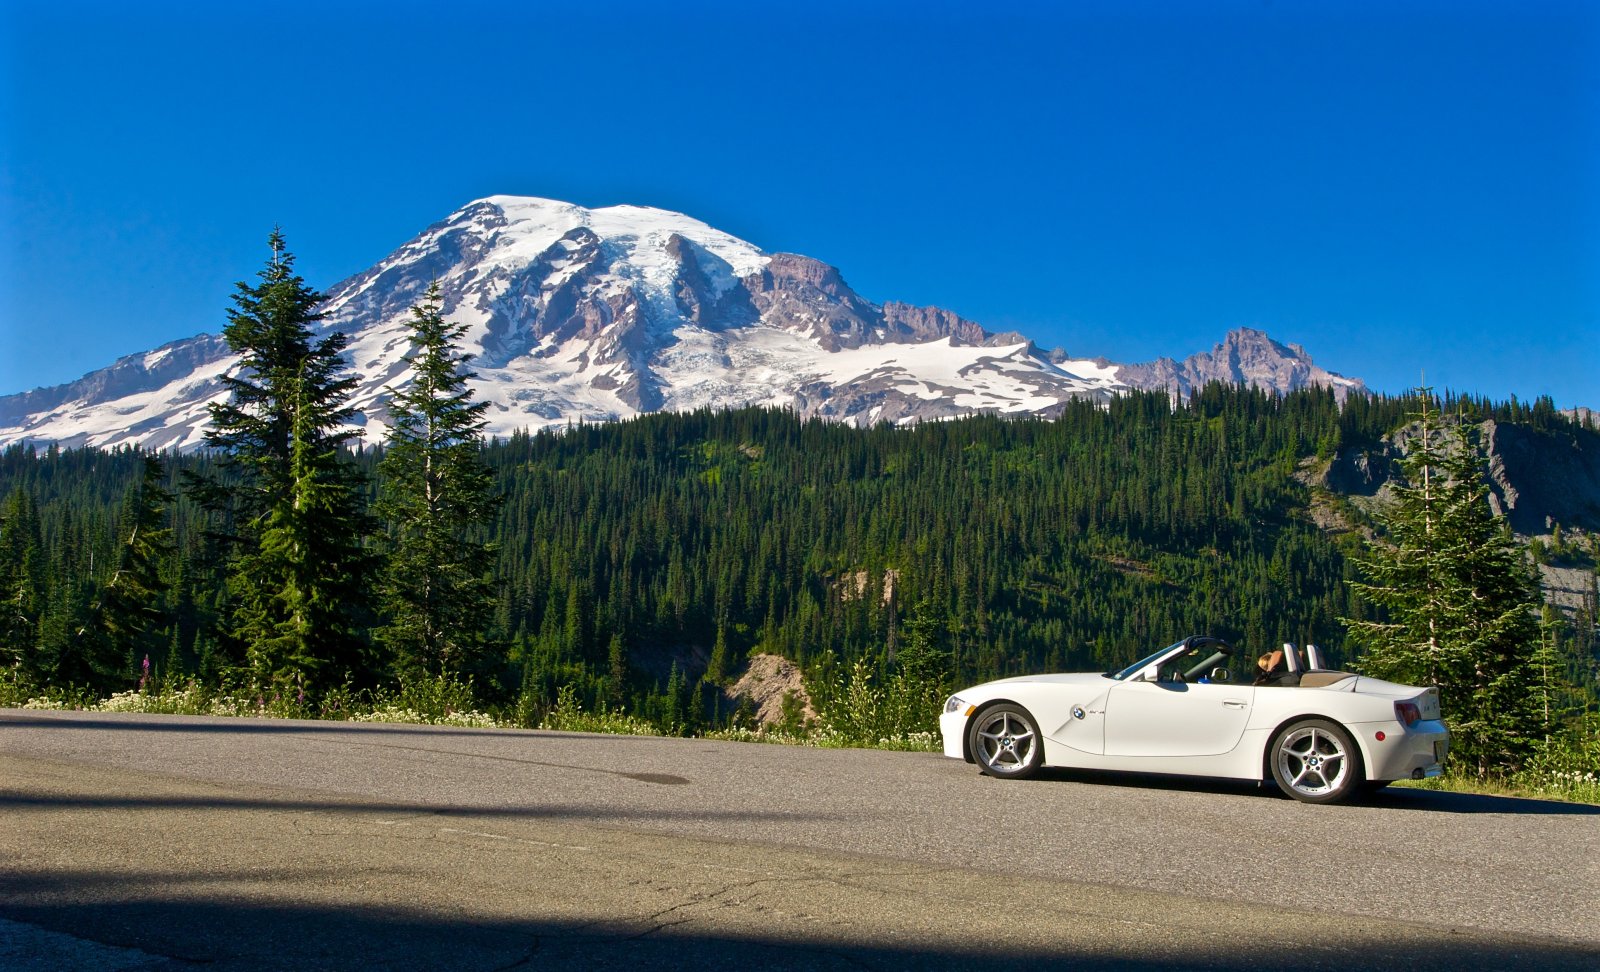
x=765 y=683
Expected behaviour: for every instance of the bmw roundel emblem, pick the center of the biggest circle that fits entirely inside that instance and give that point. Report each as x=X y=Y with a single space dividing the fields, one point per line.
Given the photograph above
x=1077 y=712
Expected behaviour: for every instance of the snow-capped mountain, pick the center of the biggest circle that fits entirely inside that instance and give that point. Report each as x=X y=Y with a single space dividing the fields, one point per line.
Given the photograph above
x=599 y=314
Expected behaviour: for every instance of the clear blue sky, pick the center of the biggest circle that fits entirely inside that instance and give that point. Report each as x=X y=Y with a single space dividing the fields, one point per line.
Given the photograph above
x=1401 y=187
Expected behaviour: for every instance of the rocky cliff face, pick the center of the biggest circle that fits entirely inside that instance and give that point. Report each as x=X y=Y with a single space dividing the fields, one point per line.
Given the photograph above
x=579 y=314
x=1536 y=478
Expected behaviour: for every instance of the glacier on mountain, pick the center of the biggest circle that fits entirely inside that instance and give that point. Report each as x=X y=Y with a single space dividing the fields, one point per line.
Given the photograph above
x=601 y=314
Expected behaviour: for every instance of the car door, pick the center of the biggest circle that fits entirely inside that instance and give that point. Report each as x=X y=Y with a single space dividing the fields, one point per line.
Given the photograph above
x=1176 y=718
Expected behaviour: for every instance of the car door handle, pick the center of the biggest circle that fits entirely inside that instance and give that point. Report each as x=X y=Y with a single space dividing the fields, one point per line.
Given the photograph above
x=1233 y=703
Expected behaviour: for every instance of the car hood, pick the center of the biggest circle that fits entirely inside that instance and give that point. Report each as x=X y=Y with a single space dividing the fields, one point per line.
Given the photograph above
x=1075 y=678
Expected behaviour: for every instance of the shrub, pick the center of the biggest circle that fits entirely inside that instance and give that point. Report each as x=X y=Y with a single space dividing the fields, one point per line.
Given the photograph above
x=901 y=714
x=1566 y=765
x=568 y=716
x=14 y=689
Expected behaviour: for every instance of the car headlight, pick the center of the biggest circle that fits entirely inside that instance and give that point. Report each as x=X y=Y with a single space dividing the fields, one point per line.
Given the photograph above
x=954 y=704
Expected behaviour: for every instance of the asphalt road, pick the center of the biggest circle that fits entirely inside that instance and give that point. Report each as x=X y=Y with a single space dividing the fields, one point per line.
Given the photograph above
x=148 y=842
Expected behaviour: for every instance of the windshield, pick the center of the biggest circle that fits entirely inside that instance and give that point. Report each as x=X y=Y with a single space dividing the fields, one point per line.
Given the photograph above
x=1139 y=665
x=1191 y=659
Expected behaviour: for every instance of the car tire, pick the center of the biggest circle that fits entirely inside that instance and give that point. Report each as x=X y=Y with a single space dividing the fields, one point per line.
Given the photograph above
x=1316 y=761
x=1005 y=743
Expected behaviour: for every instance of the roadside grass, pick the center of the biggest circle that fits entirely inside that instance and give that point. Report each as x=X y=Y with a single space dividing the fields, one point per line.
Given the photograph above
x=1578 y=790
x=569 y=716
x=1564 y=766
x=421 y=702
x=441 y=702
x=828 y=737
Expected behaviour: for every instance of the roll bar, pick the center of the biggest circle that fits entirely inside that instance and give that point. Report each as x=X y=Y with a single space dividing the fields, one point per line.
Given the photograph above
x=1311 y=663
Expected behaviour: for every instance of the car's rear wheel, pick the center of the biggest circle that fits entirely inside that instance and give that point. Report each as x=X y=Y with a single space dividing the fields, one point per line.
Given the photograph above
x=1316 y=761
x=1005 y=741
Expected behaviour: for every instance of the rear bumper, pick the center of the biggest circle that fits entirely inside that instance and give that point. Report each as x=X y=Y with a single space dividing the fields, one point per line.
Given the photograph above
x=1404 y=754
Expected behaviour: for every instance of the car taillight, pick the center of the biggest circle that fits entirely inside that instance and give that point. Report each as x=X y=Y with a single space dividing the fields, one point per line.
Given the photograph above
x=1407 y=713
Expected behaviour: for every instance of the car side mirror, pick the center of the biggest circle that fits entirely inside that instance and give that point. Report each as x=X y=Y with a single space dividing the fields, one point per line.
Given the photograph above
x=1221 y=675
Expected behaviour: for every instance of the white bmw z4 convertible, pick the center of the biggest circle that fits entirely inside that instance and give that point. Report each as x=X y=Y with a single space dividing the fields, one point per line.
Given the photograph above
x=1193 y=709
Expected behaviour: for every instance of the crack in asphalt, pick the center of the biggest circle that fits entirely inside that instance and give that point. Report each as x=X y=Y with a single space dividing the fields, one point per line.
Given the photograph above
x=527 y=958
x=694 y=901
x=698 y=900
x=456 y=831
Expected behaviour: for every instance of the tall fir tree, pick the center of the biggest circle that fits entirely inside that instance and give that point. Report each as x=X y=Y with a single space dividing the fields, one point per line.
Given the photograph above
x=132 y=617
x=1458 y=601
x=299 y=580
x=437 y=496
x=69 y=652
x=22 y=588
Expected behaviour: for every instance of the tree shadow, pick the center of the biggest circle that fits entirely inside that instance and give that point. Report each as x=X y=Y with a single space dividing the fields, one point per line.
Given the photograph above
x=13 y=802
x=236 y=934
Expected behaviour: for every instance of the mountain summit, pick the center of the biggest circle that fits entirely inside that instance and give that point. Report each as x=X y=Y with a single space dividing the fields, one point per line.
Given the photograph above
x=600 y=314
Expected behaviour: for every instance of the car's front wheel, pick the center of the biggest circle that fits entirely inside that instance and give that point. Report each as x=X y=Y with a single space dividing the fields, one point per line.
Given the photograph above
x=1316 y=761
x=1005 y=742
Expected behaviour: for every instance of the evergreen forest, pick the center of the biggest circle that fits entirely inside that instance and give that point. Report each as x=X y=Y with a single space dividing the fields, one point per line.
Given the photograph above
x=636 y=564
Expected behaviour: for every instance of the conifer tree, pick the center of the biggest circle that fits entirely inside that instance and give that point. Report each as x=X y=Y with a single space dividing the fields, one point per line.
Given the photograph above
x=717 y=664
x=1458 y=601
x=21 y=585
x=437 y=495
x=69 y=653
x=617 y=674
x=132 y=616
x=924 y=656
x=299 y=579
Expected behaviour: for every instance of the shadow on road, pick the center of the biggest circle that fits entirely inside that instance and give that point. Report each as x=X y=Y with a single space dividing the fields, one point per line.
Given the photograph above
x=13 y=802
x=1439 y=801
x=225 y=935
x=1397 y=798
